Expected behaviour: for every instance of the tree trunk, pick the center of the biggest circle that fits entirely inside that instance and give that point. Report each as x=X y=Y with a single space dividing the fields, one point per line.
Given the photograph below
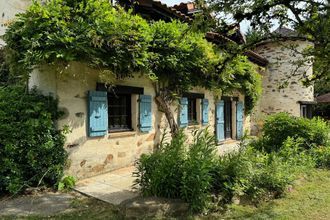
x=164 y=106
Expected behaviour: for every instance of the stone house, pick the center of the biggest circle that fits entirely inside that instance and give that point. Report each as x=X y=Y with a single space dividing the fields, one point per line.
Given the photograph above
x=110 y=129
x=283 y=90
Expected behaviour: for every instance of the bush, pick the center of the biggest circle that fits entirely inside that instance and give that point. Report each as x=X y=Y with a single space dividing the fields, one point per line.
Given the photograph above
x=321 y=156
x=278 y=127
x=196 y=179
x=251 y=174
x=179 y=171
x=67 y=183
x=31 y=148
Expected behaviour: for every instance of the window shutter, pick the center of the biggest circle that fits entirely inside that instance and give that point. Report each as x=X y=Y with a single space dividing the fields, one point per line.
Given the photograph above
x=183 y=117
x=239 y=119
x=98 y=113
x=220 y=120
x=205 y=112
x=145 y=113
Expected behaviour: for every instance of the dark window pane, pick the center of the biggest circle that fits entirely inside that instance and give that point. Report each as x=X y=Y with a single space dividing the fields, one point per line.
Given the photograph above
x=119 y=111
x=228 y=119
x=192 y=112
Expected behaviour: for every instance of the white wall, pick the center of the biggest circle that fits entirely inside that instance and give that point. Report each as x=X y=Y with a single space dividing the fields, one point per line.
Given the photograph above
x=8 y=10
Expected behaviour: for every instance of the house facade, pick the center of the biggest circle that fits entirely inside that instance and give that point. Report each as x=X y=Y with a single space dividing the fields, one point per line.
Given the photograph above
x=112 y=127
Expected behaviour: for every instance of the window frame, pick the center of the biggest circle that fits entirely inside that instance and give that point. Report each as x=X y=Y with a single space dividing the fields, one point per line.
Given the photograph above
x=308 y=110
x=128 y=108
x=192 y=111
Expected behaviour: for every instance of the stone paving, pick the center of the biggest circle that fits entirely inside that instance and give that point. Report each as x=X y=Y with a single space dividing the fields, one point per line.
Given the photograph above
x=114 y=187
x=44 y=204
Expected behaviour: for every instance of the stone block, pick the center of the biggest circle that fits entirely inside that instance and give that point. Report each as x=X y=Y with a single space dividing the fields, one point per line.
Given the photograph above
x=98 y=168
x=108 y=159
x=121 y=154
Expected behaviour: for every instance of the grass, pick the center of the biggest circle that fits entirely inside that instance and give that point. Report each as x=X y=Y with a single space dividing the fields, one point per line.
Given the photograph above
x=308 y=199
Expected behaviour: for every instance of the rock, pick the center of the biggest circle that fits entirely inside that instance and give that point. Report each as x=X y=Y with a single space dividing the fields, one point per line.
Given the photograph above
x=153 y=207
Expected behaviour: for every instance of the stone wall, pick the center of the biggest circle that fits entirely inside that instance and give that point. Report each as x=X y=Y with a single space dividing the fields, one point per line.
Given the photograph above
x=92 y=156
x=281 y=69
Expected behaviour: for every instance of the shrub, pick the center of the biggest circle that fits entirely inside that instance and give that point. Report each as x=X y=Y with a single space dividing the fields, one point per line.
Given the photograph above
x=31 y=148
x=67 y=183
x=178 y=170
x=279 y=127
x=321 y=156
x=258 y=175
x=160 y=173
x=196 y=179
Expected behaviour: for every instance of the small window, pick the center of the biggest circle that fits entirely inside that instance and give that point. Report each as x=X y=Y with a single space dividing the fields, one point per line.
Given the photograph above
x=192 y=111
x=306 y=111
x=119 y=112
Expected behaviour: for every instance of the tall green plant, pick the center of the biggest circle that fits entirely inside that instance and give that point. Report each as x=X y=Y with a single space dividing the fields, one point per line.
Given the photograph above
x=31 y=148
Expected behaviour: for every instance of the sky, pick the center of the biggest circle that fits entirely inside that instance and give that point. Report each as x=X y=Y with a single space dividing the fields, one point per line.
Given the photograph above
x=244 y=24
x=172 y=2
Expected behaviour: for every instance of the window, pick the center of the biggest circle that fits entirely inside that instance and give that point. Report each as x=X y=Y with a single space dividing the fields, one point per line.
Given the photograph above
x=119 y=108
x=119 y=112
x=306 y=111
x=228 y=118
x=192 y=111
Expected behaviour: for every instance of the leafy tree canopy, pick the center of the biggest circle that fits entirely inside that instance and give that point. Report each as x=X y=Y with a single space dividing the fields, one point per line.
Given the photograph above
x=310 y=18
x=173 y=55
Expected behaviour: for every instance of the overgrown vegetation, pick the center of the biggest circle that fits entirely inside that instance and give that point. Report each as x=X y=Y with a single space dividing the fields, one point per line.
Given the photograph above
x=31 y=148
x=278 y=127
x=192 y=171
x=173 y=55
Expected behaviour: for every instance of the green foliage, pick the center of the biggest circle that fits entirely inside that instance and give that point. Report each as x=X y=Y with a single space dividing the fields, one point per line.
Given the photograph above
x=242 y=75
x=322 y=156
x=196 y=179
x=192 y=172
x=178 y=170
x=181 y=58
x=171 y=54
x=311 y=20
x=159 y=174
x=278 y=127
x=67 y=183
x=31 y=148
x=251 y=174
x=88 y=31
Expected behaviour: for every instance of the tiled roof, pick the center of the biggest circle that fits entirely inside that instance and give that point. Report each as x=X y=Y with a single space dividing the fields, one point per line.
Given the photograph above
x=323 y=98
x=252 y=56
x=285 y=32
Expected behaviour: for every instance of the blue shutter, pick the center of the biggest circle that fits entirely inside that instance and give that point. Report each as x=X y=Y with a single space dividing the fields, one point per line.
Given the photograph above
x=183 y=117
x=205 y=112
x=145 y=113
x=220 y=121
x=239 y=119
x=97 y=113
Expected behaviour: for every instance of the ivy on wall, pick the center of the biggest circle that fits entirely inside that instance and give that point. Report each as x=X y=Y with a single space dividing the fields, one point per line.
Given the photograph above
x=96 y=33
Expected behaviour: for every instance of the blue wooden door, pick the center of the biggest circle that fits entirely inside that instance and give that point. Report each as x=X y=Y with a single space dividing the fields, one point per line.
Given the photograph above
x=239 y=119
x=98 y=113
x=220 y=121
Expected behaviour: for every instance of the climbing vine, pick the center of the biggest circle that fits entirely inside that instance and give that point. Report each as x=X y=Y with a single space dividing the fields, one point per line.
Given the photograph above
x=171 y=54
